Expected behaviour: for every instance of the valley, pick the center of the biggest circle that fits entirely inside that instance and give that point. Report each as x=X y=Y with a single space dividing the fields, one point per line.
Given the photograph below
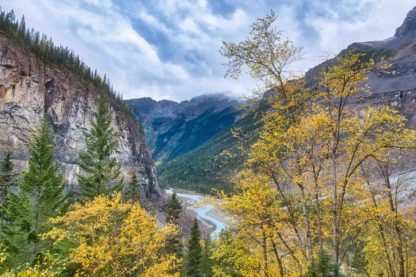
x=312 y=176
x=214 y=220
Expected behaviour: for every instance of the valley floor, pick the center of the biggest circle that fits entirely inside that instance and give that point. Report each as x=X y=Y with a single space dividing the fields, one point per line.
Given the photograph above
x=213 y=219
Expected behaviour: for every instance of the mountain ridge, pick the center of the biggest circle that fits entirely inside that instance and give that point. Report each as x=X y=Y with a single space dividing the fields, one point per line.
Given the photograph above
x=396 y=87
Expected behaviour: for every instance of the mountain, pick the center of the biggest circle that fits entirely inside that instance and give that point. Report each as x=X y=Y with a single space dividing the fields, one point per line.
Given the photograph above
x=30 y=87
x=396 y=85
x=174 y=129
x=193 y=142
x=214 y=159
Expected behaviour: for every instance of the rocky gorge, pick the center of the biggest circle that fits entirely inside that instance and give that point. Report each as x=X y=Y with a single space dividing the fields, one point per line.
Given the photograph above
x=30 y=88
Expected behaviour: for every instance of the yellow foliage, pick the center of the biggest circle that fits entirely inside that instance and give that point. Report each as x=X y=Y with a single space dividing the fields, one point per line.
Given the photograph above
x=114 y=238
x=312 y=182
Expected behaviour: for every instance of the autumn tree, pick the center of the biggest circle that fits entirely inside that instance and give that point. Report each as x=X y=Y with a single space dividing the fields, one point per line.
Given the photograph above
x=100 y=170
x=304 y=190
x=112 y=237
x=39 y=197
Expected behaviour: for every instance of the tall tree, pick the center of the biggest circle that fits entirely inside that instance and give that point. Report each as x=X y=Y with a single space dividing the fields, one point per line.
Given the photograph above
x=174 y=210
x=174 y=241
x=132 y=193
x=39 y=197
x=114 y=238
x=101 y=172
x=7 y=176
x=194 y=254
x=206 y=263
x=309 y=183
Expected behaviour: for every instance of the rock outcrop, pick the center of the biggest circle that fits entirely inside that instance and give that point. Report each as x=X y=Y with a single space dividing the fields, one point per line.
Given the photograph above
x=397 y=85
x=29 y=89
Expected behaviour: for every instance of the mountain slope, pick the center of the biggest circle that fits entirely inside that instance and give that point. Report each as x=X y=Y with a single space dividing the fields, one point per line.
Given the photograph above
x=173 y=129
x=30 y=87
x=215 y=160
x=399 y=81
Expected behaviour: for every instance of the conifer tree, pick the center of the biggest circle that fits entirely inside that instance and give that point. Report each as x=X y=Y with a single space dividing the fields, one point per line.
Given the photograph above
x=7 y=176
x=39 y=197
x=174 y=210
x=194 y=254
x=174 y=243
x=132 y=193
x=324 y=267
x=101 y=172
x=206 y=263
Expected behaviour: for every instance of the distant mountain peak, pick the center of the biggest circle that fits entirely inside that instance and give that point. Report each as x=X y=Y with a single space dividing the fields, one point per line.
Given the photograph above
x=409 y=25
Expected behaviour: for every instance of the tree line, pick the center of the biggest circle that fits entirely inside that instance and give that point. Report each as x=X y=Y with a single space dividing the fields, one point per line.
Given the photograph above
x=48 y=53
x=100 y=229
x=322 y=193
x=326 y=187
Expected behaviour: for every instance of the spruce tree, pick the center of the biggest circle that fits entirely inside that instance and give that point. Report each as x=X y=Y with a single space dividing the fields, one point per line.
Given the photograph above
x=174 y=243
x=194 y=255
x=324 y=267
x=174 y=210
x=7 y=176
x=101 y=172
x=132 y=193
x=39 y=197
x=206 y=263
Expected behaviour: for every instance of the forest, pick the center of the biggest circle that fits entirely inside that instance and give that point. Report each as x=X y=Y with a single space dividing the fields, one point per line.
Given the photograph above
x=49 y=54
x=325 y=189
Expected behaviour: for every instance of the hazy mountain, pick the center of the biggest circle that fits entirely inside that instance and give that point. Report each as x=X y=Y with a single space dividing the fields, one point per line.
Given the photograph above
x=173 y=129
x=209 y=162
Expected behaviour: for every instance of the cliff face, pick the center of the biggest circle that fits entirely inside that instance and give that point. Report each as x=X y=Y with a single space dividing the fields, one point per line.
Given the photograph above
x=28 y=89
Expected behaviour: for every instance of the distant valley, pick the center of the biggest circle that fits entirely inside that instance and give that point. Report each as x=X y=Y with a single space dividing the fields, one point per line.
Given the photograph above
x=192 y=143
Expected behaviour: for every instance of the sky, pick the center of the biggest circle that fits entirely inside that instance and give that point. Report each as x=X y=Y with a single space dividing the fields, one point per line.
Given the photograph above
x=169 y=49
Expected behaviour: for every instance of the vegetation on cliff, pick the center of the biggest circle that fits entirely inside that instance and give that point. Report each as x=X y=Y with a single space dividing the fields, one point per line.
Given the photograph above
x=322 y=192
x=50 y=54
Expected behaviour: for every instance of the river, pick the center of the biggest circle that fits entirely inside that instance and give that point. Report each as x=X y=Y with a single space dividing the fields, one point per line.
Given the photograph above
x=206 y=213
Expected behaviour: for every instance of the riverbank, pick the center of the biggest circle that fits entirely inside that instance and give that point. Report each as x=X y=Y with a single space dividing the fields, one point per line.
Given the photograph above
x=213 y=219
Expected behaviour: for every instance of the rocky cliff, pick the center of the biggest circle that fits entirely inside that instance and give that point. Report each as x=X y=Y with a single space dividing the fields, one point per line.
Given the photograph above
x=397 y=85
x=28 y=89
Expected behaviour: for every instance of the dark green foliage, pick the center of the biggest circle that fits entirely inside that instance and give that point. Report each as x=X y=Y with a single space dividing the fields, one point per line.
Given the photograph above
x=7 y=176
x=206 y=264
x=101 y=172
x=48 y=53
x=193 y=262
x=39 y=197
x=174 y=243
x=174 y=210
x=132 y=193
x=324 y=267
x=211 y=165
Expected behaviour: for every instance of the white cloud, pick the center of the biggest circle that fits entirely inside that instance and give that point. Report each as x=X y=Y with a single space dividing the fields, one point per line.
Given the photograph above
x=186 y=61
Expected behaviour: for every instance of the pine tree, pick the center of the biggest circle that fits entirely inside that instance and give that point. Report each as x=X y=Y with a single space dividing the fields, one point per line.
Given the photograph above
x=7 y=176
x=324 y=267
x=174 y=210
x=101 y=172
x=174 y=243
x=39 y=197
x=194 y=254
x=206 y=264
x=132 y=193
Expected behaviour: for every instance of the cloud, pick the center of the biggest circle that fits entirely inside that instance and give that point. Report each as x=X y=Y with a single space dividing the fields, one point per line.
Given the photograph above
x=169 y=48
